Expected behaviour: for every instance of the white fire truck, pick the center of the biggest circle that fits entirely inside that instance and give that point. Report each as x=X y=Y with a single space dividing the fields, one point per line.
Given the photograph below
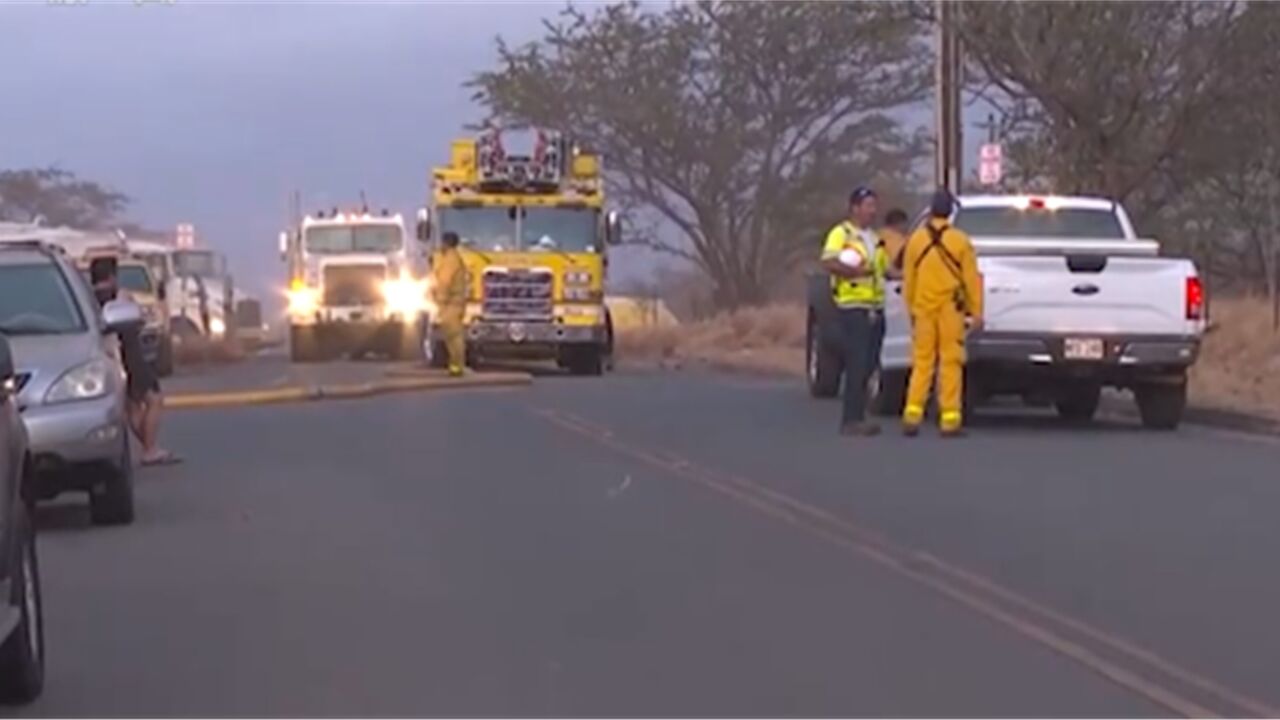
x=356 y=286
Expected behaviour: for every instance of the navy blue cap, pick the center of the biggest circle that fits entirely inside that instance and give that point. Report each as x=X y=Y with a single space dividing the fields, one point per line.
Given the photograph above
x=860 y=193
x=942 y=203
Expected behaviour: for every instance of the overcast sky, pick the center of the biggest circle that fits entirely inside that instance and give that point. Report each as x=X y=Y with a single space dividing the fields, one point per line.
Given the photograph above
x=213 y=113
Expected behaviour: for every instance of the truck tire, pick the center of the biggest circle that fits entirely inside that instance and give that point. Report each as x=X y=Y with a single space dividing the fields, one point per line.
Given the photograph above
x=586 y=360
x=823 y=365
x=304 y=344
x=1079 y=404
x=888 y=392
x=22 y=654
x=1161 y=405
x=111 y=499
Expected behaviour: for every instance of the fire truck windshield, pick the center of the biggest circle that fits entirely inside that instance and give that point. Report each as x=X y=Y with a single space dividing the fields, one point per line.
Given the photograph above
x=564 y=229
x=337 y=239
x=488 y=229
x=498 y=229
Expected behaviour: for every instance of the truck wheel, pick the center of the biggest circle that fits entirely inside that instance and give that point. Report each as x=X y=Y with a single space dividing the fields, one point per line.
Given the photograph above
x=609 y=347
x=888 y=392
x=586 y=361
x=1160 y=405
x=304 y=345
x=22 y=654
x=1078 y=404
x=111 y=499
x=823 y=365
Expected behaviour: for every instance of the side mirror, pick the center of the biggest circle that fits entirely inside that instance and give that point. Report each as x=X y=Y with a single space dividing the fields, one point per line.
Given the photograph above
x=8 y=373
x=284 y=244
x=424 y=225
x=613 y=228
x=119 y=315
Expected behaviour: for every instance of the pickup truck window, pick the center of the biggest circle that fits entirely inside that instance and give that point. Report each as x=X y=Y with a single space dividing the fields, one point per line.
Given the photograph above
x=1083 y=223
x=135 y=279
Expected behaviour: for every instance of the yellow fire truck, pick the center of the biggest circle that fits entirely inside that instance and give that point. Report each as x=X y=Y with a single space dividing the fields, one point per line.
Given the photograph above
x=534 y=233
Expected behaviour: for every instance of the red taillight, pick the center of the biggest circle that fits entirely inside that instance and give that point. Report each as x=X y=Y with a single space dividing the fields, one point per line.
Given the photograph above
x=1195 y=299
x=1036 y=203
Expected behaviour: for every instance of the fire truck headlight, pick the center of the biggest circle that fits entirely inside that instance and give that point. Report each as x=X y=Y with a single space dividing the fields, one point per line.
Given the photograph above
x=303 y=301
x=217 y=327
x=404 y=296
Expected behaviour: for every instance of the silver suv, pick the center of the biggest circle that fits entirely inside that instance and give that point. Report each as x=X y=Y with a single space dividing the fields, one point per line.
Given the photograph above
x=21 y=614
x=70 y=381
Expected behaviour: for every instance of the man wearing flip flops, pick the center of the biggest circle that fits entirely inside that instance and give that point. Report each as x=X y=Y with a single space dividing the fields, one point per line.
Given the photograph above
x=143 y=385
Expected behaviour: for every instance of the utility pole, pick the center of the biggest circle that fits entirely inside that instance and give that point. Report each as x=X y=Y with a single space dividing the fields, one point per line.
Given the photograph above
x=948 y=81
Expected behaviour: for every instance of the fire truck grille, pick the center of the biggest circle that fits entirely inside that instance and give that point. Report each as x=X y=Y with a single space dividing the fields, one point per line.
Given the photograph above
x=347 y=285
x=517 y=294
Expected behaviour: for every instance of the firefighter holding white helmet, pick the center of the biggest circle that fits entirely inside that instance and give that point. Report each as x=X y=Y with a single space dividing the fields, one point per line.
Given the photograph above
x=855 y=257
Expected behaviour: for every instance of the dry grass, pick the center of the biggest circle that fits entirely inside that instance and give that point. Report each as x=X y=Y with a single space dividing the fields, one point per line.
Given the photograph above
x=768 y=339
x=1239 y=367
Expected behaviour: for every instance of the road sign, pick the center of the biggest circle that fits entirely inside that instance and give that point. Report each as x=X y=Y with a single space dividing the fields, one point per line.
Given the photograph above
x=990 y=163
x=989 y=172
x=185 y=237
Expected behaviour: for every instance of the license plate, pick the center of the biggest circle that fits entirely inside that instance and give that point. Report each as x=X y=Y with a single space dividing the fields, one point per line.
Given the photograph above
x=1083 y=349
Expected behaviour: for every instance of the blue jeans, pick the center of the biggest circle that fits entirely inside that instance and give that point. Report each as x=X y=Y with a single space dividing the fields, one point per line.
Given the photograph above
x=863 y=334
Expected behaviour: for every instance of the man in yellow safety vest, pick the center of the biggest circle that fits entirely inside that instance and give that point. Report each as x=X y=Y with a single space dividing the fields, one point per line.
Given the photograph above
x=855 y=257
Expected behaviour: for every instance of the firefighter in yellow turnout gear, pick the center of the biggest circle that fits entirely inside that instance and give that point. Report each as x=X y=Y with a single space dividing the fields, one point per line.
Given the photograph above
x=941 y=287
x=449 y=287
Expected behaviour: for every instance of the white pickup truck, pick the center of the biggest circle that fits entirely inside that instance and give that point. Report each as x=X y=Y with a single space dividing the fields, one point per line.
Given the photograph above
x=1074 y=302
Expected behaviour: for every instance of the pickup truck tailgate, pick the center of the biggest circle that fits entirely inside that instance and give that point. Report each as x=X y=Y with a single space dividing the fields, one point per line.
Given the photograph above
x=1096 y=295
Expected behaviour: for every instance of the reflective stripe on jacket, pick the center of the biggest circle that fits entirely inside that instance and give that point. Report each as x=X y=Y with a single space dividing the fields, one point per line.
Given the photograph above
x=866 y=291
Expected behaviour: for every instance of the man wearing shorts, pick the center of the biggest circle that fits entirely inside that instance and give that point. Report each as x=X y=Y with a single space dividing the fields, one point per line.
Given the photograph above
x=143 y=384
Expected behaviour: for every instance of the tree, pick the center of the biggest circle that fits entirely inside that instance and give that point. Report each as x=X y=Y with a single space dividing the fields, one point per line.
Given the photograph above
x=742 y=125
x=1236 y=161
x=57 y=197
x=1101 y=97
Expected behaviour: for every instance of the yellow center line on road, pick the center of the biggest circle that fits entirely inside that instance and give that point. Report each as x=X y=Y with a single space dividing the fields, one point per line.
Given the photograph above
x=980 y=594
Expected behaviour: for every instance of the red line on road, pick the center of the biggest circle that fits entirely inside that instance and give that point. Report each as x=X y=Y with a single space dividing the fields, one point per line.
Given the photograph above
x=956 y=583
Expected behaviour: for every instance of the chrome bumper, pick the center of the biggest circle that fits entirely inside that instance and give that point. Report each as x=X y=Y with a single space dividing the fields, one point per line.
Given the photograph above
x=1047 y=349
x=514 y=332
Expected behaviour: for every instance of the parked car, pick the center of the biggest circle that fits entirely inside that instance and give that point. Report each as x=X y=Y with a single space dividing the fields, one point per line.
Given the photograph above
x=73 y=384
x=21 y=614
x=1074 y=301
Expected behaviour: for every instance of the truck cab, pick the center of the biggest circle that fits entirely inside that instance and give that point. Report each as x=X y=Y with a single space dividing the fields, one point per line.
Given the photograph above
x=534 y=234
x=355 y=286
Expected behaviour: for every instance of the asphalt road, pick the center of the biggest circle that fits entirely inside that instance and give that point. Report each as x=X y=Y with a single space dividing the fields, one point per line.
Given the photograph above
x=272 y=369
x=667 y=545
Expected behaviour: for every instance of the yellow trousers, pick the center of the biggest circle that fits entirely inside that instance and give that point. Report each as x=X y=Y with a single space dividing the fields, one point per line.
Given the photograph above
x=937 y=342
x=455 y=341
